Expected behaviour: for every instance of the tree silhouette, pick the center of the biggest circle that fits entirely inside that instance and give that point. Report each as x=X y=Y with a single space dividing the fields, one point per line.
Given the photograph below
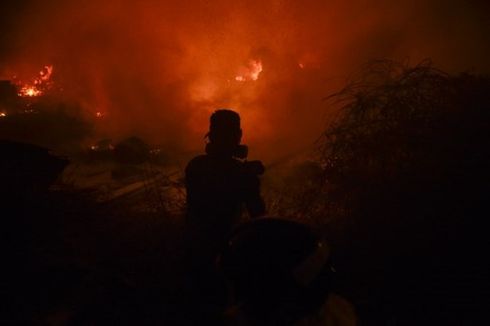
x=405 y=172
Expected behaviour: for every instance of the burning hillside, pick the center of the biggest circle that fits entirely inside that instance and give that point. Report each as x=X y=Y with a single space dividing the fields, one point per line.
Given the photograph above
x=159 y=68
x=124 y=89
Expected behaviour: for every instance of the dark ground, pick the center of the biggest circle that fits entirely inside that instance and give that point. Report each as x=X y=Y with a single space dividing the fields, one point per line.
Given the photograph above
x=68 y=260
x=402 y=197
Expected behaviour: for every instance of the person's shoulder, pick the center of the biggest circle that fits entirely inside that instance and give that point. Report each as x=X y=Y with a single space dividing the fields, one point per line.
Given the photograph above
x=207 y=161
x=199 y=159
x=197 y=162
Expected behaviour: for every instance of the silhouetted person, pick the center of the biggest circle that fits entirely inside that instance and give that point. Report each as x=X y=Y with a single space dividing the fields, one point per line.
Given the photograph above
x=279 y=272
x=220 y=183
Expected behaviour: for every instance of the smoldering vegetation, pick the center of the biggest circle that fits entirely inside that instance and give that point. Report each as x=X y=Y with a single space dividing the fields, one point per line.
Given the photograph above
x=397 y=185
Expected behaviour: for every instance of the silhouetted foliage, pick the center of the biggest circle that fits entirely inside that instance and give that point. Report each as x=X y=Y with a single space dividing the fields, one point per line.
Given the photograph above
x=419 y=125
x=292 y=191
x=405 y=164
x=27 y=168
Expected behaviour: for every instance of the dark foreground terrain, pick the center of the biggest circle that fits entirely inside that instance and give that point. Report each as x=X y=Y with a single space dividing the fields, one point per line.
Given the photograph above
x=399 y=188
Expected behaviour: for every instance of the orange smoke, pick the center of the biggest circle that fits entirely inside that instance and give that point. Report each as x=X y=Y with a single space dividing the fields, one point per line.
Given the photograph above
x=157 y=69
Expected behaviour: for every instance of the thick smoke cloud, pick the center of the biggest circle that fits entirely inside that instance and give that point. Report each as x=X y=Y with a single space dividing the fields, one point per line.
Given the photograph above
x=159 y=68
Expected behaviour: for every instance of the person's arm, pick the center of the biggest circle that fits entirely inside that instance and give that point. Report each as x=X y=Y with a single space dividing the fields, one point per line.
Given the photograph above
x=253 y=200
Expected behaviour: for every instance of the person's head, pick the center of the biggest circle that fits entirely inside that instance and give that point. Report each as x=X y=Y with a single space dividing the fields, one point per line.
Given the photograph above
x=278 y=270
x=224 y=133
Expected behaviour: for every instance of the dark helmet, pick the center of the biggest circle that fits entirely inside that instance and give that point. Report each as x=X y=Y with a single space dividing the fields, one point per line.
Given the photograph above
x=271 y=262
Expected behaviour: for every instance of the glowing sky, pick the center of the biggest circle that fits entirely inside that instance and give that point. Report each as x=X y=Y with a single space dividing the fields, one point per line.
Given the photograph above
x=158 y=68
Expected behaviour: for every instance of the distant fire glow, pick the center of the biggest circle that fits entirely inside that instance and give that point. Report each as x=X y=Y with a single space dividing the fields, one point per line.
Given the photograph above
x=251 y=72
x=29 y=91
x=160 y=76
x=38 y=85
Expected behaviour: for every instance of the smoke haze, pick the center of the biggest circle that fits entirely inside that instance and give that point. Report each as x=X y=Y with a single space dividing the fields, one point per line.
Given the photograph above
x=157 y=69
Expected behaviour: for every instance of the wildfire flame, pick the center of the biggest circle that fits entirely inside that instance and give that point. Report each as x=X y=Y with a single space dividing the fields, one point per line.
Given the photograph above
x=38 y=85
x=251 y=72
x=29 y=91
